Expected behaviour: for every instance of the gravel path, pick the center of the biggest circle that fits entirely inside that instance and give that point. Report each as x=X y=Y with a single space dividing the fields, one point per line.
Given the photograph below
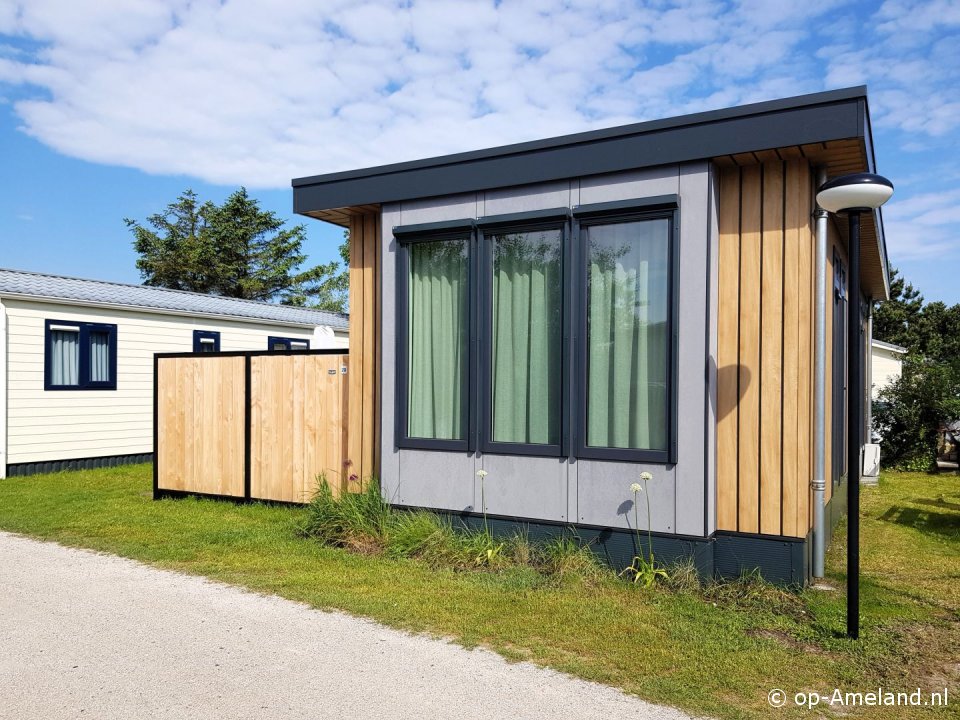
x=85 y=635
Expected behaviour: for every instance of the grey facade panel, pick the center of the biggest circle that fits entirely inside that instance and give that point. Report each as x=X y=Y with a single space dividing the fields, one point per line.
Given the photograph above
x=794 y=121
x=604 y=497
x=435 y=479
x=524 y=486
x=693 y=356
x=389 y=454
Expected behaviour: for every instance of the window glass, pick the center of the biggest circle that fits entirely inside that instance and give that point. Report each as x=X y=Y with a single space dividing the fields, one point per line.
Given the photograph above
x=438 y=334
x=65 y=357
x=526 y=337
x=207 y=345
x=99 y=356
x=627 y=334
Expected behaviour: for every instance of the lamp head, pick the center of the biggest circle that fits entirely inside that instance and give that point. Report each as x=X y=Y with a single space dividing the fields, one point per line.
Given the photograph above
x=860 y=191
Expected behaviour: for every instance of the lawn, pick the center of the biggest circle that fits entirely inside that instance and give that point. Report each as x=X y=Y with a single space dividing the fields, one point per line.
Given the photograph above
x=712 y=651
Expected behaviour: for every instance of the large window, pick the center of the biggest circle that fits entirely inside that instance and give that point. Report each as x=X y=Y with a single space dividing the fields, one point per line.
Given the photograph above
x=523 y=338
x=80 y=356
x=434 y=326
x=549 y=333
x=626 y=349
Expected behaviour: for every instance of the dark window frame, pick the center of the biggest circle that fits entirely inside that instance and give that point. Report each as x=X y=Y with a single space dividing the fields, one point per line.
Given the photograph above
x=654 y=208
x=550 y=219
x=287 y=344
x=477 y=402
x=83 y=371
x=406 y=236
x=200 y=335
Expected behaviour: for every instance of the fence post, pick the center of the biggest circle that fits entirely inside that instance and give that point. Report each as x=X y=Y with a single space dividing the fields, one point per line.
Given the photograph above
x=246 y=426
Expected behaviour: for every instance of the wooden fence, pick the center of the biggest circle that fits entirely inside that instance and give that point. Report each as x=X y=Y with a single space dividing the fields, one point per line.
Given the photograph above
x=249 y=425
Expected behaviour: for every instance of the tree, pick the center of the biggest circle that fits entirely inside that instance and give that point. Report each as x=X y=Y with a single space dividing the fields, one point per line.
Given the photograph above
x=898 y=320
x=912 y=409
x=236 y=250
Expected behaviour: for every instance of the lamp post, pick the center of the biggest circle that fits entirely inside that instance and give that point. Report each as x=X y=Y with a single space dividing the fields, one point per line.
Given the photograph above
x=852 y=195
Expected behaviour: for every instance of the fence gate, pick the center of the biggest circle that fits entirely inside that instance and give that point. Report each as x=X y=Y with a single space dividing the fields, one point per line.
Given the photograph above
x=249 y=425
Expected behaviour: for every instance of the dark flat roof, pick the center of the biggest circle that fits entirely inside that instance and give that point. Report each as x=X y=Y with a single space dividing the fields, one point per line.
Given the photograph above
x=816 y=118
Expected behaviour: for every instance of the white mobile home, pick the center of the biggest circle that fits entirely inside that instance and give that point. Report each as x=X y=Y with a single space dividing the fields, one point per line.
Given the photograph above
x=76 y=361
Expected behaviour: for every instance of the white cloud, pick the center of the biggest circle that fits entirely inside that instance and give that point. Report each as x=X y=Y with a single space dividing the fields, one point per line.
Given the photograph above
x=244 y=91
x=923 y=226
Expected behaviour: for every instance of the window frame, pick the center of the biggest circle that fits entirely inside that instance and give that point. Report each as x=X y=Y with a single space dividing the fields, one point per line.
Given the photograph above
x=609 y=213
x=406 y=236
x=83 y=371
x=200 y=335
x=287 y=344
x=549 y=219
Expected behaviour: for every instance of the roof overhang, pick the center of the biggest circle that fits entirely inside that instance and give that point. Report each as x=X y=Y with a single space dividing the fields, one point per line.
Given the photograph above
x=806 y=126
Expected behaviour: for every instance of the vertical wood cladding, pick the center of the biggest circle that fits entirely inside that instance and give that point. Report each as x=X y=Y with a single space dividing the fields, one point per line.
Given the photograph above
x=765 y=344
x=363 y=394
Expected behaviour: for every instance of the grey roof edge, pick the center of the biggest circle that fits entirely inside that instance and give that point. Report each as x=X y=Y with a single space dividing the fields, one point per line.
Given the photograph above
x=83 y=291
x=889 y=346
x=647 y=126
x=820 y=117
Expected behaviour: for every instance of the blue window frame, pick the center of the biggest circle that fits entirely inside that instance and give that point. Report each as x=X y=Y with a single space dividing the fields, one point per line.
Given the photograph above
x=284 y=343
x=206 y=341
x=79 y=356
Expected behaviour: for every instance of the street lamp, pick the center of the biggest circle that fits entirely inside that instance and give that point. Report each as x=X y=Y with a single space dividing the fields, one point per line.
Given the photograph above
x=852 y=195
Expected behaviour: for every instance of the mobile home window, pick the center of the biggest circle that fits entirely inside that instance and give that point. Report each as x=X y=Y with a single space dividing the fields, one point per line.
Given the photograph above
x=434 y=324
x=283 y=343
x=80 y=356
x=206 y=341
x=627 y=320
x=522 y=337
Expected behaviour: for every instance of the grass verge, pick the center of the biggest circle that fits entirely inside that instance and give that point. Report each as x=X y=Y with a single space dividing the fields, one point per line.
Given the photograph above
x=716 y=650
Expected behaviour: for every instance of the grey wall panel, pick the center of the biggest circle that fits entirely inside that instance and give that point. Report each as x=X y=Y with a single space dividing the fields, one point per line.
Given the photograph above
x=694 y=301
x=529 y=197
x=450 y=207
x=389 y=455
x=712 y=335
x=525 y=486
x=605 y=498
x=649 y=182
x=436 y=479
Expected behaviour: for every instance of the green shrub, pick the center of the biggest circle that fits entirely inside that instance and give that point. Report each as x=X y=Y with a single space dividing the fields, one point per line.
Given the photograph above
x=351 y=520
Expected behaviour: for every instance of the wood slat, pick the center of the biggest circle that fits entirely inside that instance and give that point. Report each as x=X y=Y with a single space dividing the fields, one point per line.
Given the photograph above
x=805 y=353
x=728 y=322
x=369 y=353
x=357 y=315
x=749 y=347
x=791 y=340
x=771 y=349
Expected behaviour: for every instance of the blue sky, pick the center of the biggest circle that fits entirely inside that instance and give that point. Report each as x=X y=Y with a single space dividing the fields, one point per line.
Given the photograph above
x=110 y=109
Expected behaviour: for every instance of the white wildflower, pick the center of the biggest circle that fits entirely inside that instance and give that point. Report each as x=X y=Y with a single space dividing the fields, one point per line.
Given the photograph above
x=636 y=488
x=481 y=473
x=646 y=476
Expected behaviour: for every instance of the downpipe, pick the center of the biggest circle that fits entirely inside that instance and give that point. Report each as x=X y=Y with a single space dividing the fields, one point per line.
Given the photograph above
x=819 y=481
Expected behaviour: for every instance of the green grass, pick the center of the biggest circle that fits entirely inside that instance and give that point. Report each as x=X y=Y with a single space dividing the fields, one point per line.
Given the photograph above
x=716 y=650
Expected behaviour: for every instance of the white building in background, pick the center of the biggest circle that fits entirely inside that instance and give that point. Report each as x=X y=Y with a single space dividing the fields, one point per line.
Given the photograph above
x=886 y=364
x=76 y=361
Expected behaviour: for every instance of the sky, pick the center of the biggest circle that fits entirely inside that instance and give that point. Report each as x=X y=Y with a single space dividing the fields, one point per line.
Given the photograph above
x=109 y=109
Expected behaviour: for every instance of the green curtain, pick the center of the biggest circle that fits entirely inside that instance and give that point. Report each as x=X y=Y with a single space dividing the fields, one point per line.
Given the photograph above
x=627 y=335
x=437 y=337
x=526 y=352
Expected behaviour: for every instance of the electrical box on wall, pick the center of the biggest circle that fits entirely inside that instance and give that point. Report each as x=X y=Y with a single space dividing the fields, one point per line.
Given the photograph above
x=871 y=460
